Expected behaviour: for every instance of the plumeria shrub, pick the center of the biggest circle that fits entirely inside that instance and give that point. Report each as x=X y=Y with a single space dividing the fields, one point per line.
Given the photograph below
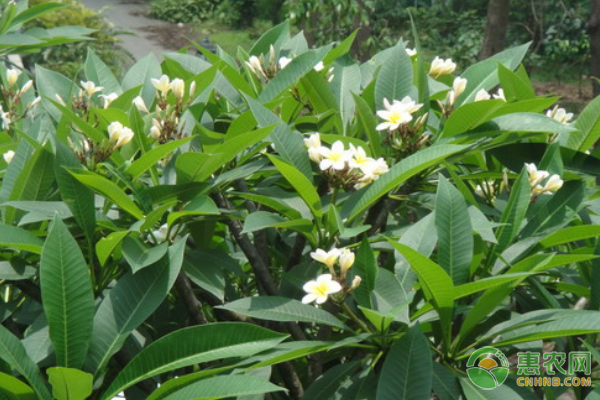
x=289 y=223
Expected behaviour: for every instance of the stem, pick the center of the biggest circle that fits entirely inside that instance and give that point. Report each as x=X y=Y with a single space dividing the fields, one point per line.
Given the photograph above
x=355 y=318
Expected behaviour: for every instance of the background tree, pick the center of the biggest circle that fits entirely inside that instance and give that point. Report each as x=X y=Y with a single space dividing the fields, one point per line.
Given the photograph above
x=495 y=28
x=595 y=43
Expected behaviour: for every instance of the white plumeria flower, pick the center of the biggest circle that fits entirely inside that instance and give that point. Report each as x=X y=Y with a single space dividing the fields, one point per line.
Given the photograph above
x=328 y=258
x=346 y=261
x=560 y=114
x=254 y=64
x=160 y=234
x=320 y=289
x=12 y=76
x=500 y=95
x=359 y=157
x=284 y=61
x=178 y=87
x=119 y=135
x=441 y=67
x=553 y=184
x=162 y=84
x=5 y=116
x=91 y=88
x=8 y=156
x=486 y=187
x=459 y=85
x=335 y=157
x=394 y=114
x=109 y=98
x=356 y=282
x=319 y=67
x=535 y=176
x=482 y=94
x=313 y=143
x=139 y=103
x=411 y=52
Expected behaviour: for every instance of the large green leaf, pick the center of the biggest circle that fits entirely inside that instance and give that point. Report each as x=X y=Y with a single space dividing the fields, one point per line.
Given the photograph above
x=301 y=184
x=588 y=125
x=67 y=296
x=436 y=283
x=191 y=346
x=13 y=389
x=13 y=353
x=274 y=36
x=19 y=238
x=398 y=174
x=69 y=383
x=149 y=159
x=139 y=256
x=50 y=84
x=263 y=219
x=346 y=82
x=220 y=387
x=273 y=308
x=366 y=267
x=329 y=383
x=141 y=74
x=108 y=189
x=97 y=72
x=454 y=231
x=395 y=78
x=129 y=303
x=407 y=372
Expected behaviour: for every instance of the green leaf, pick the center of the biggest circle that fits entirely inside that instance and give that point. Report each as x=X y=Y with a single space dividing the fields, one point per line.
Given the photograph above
x=453 y=225
x=139 y=256
x=67 y=296
x=327 y=385
x=220 y=387
x=191 y=346
x=262 y=219
x=108 y=189
x=282 y=309
x=368 y=123
x=318 y=92
x=97 y=72
x=407 y=372
x=288 y=76
x=277 y=34
x=470 y=116
x=16 y=272
x=129 y=303
x=436 y=284
x=346 y=82
x=516 y=86
x=13 y=353
x=288 y=144
x=571 y=234
x=398 y=174
x=445 y=384
x=395 y=79
x=141 y=74
x=76 y=195
x=19 y=238
x=366 y=267
x=106 y=245
x=69 y=383
x=50 y=84
x=15 y=389
x=301 y=184
x=588 y=126
x=200 y=205
x=150 y=158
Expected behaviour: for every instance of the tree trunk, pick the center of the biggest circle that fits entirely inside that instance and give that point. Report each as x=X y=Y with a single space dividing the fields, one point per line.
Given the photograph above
x=495 y=28
x=594 y=28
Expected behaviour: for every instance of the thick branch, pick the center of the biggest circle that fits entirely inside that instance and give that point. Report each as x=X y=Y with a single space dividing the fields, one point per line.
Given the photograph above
x=193 y=306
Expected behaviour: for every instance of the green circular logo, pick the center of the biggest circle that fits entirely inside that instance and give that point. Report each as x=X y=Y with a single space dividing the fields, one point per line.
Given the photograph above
x=487 y=368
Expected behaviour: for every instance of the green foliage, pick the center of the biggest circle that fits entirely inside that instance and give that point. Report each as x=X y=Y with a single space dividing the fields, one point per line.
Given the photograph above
x=182 y=10
x=196 y=231
x=68 y=59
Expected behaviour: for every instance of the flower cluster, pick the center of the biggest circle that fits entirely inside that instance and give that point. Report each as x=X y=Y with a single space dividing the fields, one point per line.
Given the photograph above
x=441 y=67
x=560 y=114
x=90 y=153
x=265 y=71
x=86 y=93
x=485 y=95
x=13 y=96
x=165 y=125
x=345 y=167
x=318 y=290
x=397 y=113
x=536 y=177
x=402 y=135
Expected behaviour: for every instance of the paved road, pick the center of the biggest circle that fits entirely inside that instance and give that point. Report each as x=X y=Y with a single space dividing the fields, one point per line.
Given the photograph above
x=128 y=15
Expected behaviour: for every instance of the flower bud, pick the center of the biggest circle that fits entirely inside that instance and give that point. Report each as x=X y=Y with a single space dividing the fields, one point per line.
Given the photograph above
x=155 y=133
x=356 y=282
x=28 y=85
x=109 y=98
x=346 y=261
x=139 y=103
x=12 y=75
x=459 y=85
x=178 y=88
x=163 y=84
x=8 y=156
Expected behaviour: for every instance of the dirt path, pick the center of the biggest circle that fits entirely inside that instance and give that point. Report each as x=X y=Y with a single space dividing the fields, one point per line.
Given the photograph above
x=129 y=15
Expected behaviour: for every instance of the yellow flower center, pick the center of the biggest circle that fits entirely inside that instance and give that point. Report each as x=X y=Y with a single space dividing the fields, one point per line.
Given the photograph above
x=395 y=117
x=322 y=288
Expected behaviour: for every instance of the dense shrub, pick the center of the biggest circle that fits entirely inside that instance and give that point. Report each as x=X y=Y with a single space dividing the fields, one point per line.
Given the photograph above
x=293 y=222
x=182 y=10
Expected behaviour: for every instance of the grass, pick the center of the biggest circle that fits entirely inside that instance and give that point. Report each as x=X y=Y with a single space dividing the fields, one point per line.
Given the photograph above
x=228 y=38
